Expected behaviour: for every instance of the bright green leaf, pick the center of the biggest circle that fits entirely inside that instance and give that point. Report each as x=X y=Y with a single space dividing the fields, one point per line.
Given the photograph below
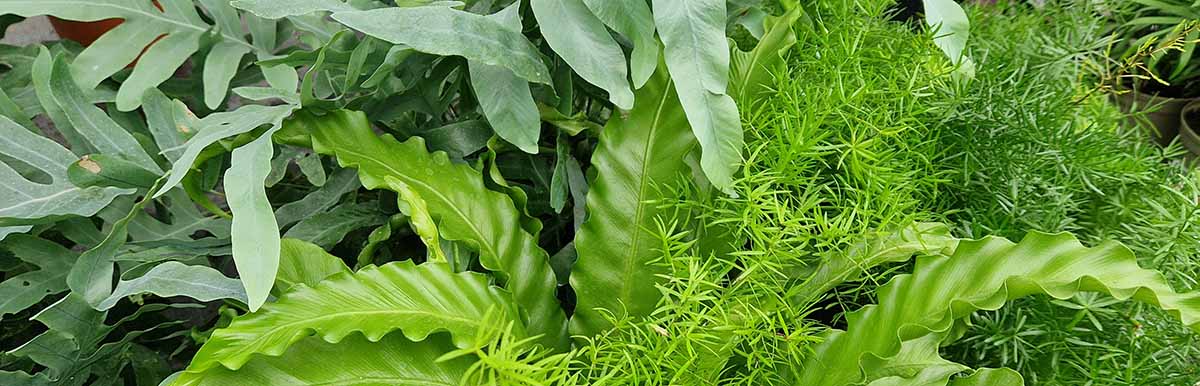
x=616 y=244
x=302 y=262
x=373 y=301
x=394 y=360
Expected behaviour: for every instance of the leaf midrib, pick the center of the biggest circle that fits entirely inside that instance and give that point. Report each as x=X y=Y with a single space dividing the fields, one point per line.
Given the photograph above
x=643 y=181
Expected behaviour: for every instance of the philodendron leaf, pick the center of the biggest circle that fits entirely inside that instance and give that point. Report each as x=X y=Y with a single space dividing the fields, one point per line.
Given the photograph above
x=173 y=34
x=445 y=31
x=28 y=202
x=329 y=228
x=615 y=244
x=465 y=209
x=219 y=126
x=951 y=30
x=583 y=42
x=302 y=262
x=393 y=360
x=92 y=274
x=342 y=181
x=504 y=97
x=104 y=134
x=177 y=279
x=418 y=300
x=983 y=275
x=24 y=290
x=633 y=20
x=254 y=231
x=693 y=35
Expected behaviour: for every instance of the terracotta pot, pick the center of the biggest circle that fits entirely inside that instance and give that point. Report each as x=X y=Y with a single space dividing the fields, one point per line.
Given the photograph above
x=1164 y=118
x=83 y=32
x=86 y=32
x=1189 y=129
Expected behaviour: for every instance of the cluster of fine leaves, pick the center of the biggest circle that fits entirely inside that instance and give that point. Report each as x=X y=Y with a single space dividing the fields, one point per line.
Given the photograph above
x=583 y=192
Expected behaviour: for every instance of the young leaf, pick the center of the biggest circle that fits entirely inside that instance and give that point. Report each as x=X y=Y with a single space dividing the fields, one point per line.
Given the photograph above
x=419 y=217
x=633 y=20
x=394 y=360
x=583 y=42
x=505 y=98
x=373 y=301
x=615 y=244
x=441 y=30
x=984 y=275
x=177 y=279
x=456 y=196
x=693 y=35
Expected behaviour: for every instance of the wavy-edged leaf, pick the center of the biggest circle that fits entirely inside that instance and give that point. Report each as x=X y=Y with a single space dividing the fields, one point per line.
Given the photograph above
x=178 y=279
x=24 y=290
x=457 y=198
x=616 y=243
x=394 y=360
x=302 y=262
x=584 y=43
x=441 y=30
x=418 y=300
x=887 y=247
x=693 y=35
x=504 y=97
x=633 y=20
x=984 y=275
x=27 y=202
x=179 y=26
